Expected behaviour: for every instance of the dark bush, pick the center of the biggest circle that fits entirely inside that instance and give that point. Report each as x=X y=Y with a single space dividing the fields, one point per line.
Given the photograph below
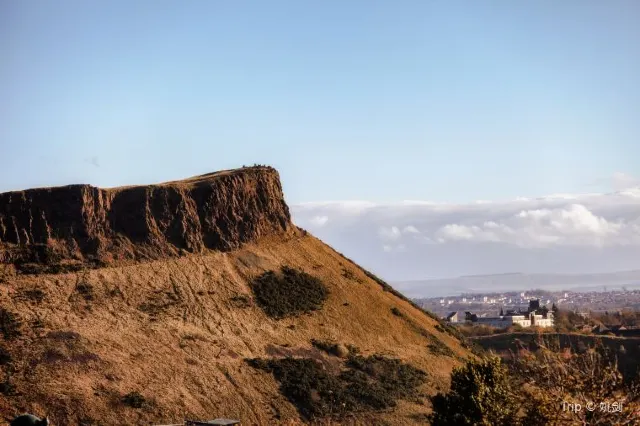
x=35 y=295
x=134 y=400
x=63 y=335
x=399 y=380
x=42 y=253
x=353 y=349
x=332 y=348
x=9 y=324
x=31 y=268
x=324 y=345
x=395 y=311
x=5 y=356
x=369 y=383
x=350 y=275
x=159 y=303
x=306 y=385
x=437 y=347
x=241 y=301
x=289 y=293
x=7 y=388
x=86 y=290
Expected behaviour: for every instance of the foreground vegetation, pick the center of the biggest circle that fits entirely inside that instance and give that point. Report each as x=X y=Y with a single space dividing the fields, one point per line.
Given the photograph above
x=543 y=387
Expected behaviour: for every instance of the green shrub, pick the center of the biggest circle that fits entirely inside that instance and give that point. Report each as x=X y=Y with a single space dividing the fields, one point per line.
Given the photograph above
x=480 y=394
x=289 y=293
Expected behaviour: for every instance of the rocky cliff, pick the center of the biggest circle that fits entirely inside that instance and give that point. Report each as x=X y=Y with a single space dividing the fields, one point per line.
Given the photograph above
x=227 y=290
x=218 y=211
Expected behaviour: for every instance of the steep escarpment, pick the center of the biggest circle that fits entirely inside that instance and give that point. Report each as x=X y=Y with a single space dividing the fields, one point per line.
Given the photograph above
x=219 y=211
x=204 y=302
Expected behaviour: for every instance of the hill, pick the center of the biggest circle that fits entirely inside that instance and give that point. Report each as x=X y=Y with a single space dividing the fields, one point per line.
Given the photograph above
x=200 y=299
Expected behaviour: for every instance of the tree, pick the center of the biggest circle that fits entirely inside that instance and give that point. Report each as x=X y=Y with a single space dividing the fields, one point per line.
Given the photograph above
x=480 y=394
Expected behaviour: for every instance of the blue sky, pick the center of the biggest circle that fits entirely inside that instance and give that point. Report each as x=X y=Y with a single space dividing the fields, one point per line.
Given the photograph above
x=368 y=100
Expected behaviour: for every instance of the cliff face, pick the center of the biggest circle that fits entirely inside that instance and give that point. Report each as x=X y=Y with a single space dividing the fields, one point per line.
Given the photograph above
x=109 y=340
x=219 y=211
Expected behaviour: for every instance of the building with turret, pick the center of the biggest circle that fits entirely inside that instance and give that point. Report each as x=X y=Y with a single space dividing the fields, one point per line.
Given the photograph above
x=534 y=316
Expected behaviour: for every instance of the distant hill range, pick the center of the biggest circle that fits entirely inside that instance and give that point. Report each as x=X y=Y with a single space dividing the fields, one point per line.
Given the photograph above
x=519 y=282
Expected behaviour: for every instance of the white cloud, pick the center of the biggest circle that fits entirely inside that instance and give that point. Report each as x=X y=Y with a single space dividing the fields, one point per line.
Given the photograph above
x=567 y=233
x=410 y=229
x=573 y=225
x=399 y=248
x=621 y=181
x=391 y=233
x=319 y=220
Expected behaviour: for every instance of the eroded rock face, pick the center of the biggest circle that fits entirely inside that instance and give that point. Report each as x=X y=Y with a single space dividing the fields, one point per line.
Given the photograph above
x=218 y=211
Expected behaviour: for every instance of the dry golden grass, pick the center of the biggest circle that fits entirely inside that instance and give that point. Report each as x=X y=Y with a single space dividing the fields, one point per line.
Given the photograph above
x=172 y=331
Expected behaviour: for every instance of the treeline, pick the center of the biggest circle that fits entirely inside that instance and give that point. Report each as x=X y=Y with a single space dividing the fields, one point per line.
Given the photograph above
x=627 y=318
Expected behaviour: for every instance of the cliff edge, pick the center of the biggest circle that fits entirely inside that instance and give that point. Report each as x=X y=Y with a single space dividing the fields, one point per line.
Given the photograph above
x=218 y=211
x=233 y=312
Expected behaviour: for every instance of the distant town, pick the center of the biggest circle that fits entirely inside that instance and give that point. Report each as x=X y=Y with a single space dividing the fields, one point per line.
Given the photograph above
x=491 y=304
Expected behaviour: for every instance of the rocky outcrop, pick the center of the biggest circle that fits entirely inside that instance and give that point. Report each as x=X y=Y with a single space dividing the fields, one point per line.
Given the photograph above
x=218 y=211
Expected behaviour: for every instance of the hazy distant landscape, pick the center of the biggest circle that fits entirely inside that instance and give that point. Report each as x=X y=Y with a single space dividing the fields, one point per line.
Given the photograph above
x=520 y=282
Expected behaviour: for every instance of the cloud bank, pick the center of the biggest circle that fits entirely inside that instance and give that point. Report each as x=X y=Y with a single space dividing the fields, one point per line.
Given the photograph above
x=564 y=233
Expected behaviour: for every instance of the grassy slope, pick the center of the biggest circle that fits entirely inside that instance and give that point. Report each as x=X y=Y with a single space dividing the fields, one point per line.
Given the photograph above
x=184 y=349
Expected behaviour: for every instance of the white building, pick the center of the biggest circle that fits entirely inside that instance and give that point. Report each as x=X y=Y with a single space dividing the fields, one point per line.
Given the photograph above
x=504 y=321
x=531 y=318
x=524 y=321
x=541 y=321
